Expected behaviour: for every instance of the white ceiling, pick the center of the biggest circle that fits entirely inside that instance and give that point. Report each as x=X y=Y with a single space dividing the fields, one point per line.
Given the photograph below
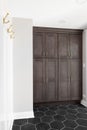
x=52 y=13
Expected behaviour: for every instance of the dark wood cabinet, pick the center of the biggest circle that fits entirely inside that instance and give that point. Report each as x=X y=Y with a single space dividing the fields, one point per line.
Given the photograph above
x=51 y=45
x=75 y=79
x=51 y=80
x=70 y=77
x=75 y=46
x=57 y=64
x=45 y=80
x=38 y=79
x=45 y=45
x=38 y=46
x=63 y=45
x=70 y=80
x=64 y=80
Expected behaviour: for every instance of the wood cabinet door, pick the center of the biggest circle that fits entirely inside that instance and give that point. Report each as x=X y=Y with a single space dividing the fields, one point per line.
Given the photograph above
x=51 y=79
x=64 y=80
x=76 y=79
x=51 y=45
x=38 y=45
x=38 y=78
x=75 y=46
x=63 y=45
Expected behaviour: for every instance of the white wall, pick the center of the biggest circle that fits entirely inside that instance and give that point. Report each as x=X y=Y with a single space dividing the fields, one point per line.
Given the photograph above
x=6 y=84
x=84 y=92
x=1 y=70
x=22 y=68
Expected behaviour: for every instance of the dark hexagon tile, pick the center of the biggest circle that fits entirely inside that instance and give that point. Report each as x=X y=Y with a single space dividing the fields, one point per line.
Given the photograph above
x=82 y=122
x=42 y=126
x=71 y=111
x=61 y=112
x=53 y=129
x=67 y=128
x=81 y=106
x=47 y=105
x=73 y=106
x=20 y=122
x=59 y=118
x=82 y=110
x=63 y=107
x=36 y=106
x=28 y=127
x=43 y=109
x=53 y=108
x=70 y=123
x=81 y=128
x=47 y=119
x=34 y=120
x=53 y=105
x=50 y=113
x=71 y=117
x=35 y=109
x=82 y=115
x=46 y=114
x=57 y=125
x=15 y=127
x=38 y=114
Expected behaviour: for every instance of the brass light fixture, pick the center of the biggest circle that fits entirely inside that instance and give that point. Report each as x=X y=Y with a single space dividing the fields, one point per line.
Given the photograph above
x=10 y=28
x=10 y=31
x=5 y=21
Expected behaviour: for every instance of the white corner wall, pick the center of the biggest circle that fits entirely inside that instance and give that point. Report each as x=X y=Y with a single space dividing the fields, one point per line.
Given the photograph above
x=6 y=84
x=1 y=70
x=84 y=92
x=22 y=69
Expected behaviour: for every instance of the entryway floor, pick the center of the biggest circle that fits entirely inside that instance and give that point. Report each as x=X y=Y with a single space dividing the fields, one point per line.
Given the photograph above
x=55 y=117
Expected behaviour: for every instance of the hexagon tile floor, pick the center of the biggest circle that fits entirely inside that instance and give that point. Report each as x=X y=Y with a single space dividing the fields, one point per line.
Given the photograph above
x=55 y=117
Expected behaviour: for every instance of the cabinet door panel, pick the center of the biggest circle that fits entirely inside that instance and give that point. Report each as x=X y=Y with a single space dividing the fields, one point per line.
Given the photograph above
x=75 y=69
x=63 y=44
x=64 y=84
x=38 y=44
x=75 y=46
x=38 y=78
x=51 y=80
x=51 y=45
x=38 y=92
x=76 y=90
x=76 y=79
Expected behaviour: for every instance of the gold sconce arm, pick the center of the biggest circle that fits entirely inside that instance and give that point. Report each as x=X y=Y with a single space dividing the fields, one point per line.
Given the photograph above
x=5 y=21
x=10 y=31
x=10 y=28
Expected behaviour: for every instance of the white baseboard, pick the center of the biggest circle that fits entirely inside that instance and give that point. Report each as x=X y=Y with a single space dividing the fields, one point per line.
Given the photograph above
x=84 y=103
x=22 y=115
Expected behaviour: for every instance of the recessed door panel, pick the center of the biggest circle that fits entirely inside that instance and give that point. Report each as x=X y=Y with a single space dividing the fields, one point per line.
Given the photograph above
x=75 y=46
x=75 y=91
x=38 y=78
x=64 y=82
x=51 y=45
x=75 y=67
x=51 y=80
x=63 y=43
x=38 y=44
